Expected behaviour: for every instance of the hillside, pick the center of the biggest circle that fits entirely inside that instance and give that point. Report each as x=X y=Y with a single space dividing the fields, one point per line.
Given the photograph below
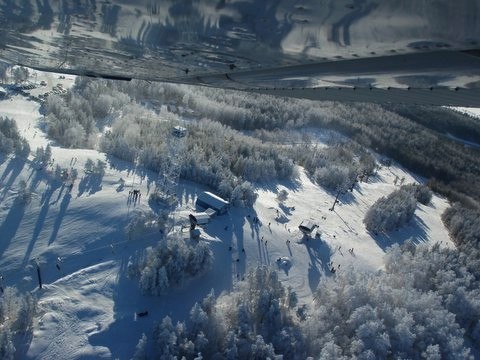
x=87 y=305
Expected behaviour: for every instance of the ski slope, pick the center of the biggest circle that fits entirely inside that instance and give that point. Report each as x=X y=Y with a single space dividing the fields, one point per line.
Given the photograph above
x=87 y=305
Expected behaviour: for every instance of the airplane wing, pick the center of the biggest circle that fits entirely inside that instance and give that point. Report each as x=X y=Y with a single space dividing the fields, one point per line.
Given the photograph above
x=409 y=51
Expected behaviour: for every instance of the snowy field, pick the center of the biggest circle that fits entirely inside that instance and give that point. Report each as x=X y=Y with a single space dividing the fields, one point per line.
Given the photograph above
x=87 y=306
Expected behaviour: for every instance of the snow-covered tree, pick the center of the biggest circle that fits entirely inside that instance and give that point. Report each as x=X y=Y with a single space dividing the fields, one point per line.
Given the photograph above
x=173 y=263
x=366 y=315
x=251 y=322
x=20 y=74
x=244 y=194
x=464 y=226
x=391 y=212
x=140 y=351
x=22 y=148
x=260 y=350
x=16 y=314
x=406 y=311
x=93 y=168
x=231 y=351
x=3 y=71
x=10 y=139
x=102 y=106
x=334 y=177
x=74 y=136
x=89 y=166
x=282 y=196
x=421 y=192
x=166 y=339
x=144 y=222
x=43 y=156
x=7 y=349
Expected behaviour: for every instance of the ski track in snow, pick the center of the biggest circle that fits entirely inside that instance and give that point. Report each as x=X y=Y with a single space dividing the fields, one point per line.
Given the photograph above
x=87 y=305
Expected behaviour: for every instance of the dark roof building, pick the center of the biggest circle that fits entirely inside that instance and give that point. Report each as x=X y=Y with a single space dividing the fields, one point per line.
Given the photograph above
x=200 y=218
x=179 y=131
x=208 y=200
x=307 y=226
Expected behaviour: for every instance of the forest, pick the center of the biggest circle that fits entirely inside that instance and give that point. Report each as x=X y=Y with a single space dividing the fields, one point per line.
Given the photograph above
x=216 y=154
x=423 y=305
x=417 y=137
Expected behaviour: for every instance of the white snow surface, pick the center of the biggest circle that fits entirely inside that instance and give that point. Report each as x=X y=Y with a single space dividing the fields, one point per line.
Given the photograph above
x=469 y=110
x=87 y=306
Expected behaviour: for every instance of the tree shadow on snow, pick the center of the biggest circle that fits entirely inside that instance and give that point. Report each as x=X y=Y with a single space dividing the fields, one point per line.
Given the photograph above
x=45 y=203
x=319 y=253
x=187 y=191
x=357 y=189
x=128 y=302
x=61 y=213
x=90 y=183
x=13 y=169
x=350 y=229
x=237 y=234
x=22 y=343
x=150 y=185
x=37 y=175
x=292 y=185
x=287 y=210
x=230 y=229
x=123 y=165
x=348 y=198
x=416 y=231
x=10 y=225
x=139 y=173
x=3 y=157
x=256 y=227
x=345 y=198
x=124 y=319
x=403 y=172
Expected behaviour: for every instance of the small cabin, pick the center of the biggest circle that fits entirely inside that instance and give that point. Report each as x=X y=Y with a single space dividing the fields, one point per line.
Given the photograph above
x=307 y=227
x=179 y=131
x=208 y=200
x=200 y=218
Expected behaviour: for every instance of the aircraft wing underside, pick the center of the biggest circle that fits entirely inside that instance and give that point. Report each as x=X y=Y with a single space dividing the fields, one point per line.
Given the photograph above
x=410 y=51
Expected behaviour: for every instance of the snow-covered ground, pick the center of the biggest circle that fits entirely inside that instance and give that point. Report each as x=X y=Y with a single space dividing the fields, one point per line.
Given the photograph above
x=87 y=306
x=468 y=110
